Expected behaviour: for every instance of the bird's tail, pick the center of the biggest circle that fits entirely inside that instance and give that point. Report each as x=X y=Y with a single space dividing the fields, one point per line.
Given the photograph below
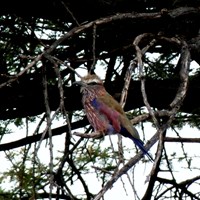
x=140 y=144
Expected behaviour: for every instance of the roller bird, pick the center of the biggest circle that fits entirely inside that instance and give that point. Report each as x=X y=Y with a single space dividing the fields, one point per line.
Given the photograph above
x=104 y=113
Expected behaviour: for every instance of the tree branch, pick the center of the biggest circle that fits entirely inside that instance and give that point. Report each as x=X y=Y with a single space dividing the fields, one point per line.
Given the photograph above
x=36 y=138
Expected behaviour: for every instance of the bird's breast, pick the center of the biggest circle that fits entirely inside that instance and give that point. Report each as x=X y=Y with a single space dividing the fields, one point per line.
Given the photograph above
x=99 y=122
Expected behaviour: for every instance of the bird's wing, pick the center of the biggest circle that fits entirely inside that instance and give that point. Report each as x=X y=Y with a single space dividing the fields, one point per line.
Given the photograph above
x=108 y=100
x=125 y=123
x=109 y=107
x=106 y=106
x=128 y=130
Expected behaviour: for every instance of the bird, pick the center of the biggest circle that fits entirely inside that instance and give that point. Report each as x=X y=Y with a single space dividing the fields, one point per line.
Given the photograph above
x=104 y=113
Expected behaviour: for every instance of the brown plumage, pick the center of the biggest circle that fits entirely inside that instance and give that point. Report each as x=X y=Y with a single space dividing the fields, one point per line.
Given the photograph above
x=104 y=113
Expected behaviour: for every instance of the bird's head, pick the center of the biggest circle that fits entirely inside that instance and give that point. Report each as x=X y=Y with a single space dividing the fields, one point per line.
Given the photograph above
x=92 y=79
x=89 y=80
x=90 y=83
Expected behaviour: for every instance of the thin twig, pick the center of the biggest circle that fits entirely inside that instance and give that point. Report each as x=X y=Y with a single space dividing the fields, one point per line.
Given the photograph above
x=64 y=63
x=185 y=140
x=70 y=12
x=127 y=166
x=16 y=77
x=131 y=68
x=93 y=47
x=48 y=116
x=76 y=30
x=141 y=74
x=46 y=129
x=146 y=116
x=176 y=104
x=185 y=63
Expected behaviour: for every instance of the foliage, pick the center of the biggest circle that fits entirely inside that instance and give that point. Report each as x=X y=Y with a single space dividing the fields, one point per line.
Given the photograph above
x=142 y=50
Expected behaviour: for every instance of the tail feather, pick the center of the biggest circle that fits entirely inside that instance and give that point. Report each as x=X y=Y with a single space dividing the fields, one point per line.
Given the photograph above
x=140 y=144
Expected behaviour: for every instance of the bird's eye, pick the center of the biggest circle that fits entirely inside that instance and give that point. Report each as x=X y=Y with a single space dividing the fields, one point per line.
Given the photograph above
x=93 y=83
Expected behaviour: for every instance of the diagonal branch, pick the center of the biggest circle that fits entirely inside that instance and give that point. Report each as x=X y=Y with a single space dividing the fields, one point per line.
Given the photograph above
x=175 y=105
x=128 y=165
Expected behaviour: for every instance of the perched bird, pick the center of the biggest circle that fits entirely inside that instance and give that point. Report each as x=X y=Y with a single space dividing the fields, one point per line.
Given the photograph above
x=104 y=113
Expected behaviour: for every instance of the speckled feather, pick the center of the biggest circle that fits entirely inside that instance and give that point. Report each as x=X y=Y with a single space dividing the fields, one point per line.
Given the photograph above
x=104 y=113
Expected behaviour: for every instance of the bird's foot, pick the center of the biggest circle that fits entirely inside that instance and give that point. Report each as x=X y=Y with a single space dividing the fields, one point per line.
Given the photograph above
x=94 y=135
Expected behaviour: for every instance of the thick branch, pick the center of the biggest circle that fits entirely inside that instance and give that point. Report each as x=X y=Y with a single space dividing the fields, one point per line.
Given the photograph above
x=36 y=138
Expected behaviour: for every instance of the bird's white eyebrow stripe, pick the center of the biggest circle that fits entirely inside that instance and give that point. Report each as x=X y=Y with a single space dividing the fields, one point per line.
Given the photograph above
x=92 y=80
